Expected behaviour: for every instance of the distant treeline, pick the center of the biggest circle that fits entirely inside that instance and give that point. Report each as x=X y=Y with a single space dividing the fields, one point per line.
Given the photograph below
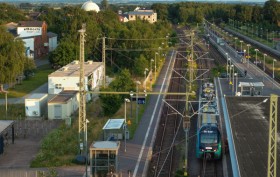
x=194 y=12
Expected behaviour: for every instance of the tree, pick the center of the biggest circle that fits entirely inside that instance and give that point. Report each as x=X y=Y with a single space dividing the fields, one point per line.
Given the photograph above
x=104 y=4
x=65 y=53
x=9 y=13
x=12 y=57
x=271 y=11
x=123 y=82
x=110 y=103
x=140 y=64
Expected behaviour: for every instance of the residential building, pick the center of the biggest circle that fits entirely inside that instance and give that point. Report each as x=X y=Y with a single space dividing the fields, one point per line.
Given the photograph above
x=142 y=14
x=34 y=34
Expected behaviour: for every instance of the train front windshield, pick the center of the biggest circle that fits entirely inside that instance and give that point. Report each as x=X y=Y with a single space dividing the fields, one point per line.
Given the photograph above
x=209 y=137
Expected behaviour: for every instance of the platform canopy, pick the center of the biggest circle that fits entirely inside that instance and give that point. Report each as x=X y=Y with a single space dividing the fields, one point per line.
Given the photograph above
x=114 y=124
x=251 y=84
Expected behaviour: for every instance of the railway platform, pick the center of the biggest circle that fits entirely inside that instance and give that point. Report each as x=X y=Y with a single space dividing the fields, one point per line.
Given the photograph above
x=134 y=162
x=246 y=118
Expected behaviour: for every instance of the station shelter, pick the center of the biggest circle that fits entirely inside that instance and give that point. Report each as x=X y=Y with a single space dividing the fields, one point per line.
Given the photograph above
x=104 y=158
x=6 y=129
x=114 y=129
x=251 y=88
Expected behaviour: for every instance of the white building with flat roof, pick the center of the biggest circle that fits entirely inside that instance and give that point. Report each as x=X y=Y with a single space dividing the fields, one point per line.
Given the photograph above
x=68 y=77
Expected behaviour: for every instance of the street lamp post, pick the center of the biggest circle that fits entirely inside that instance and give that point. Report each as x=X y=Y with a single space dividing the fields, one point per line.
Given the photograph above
x=156 y=64
x=248 y=51
x=151 y=69
x=241 y=45
x=244 y=57
x=131 y=94
x=145 y=79
x=125 y=124
x=257 y=56
x=137 y=83
x=264 y=55
x=232 y=79
x=229 y=69
x=236 y=76
x=273 y=68
x=235 y=43
x=227 y=64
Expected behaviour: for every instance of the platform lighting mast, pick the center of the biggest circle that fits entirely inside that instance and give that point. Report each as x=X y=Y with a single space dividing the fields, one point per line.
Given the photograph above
x=272 y=146
x=82 y=92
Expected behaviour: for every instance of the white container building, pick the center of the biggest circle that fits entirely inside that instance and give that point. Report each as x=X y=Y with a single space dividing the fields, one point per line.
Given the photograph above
x=63 y=105
x=36 y=104
x=68 y=77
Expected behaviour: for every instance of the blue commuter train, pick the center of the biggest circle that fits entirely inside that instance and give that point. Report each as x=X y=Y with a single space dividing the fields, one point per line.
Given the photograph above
x=209 y=144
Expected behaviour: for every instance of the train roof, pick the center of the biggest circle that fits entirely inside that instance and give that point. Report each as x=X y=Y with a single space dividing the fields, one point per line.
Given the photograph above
x=208 y=119
x=208 y=84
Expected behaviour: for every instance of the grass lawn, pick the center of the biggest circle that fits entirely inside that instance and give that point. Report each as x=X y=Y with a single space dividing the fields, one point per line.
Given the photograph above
x=40 y=77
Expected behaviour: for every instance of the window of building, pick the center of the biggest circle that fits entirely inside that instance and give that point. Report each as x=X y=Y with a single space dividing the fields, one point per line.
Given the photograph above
x=58 y=86
x=149 y=16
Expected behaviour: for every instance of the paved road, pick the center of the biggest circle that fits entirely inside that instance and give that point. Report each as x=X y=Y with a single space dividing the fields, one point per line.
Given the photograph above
x=139 y=149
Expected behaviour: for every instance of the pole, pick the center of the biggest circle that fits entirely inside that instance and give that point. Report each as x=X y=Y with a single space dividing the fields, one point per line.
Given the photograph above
x=241 y=45
x=248 y=45
x=155 y=65
x=6 y=100
x=82 y=92
x=232 y=88
x=273 y=69
x=236 y=83
x=264 y=62
x=235 y=45
x=86 y=148
x=131 y=94
x=256 y=57
x=230 y=70
x=227 y=65
x=125 y=125
x=136 y=103
x=151 y=68
x=145 y=79
x=104 y=62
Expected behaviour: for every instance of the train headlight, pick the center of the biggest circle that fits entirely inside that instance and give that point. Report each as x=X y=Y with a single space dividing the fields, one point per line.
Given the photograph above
x=202 y=150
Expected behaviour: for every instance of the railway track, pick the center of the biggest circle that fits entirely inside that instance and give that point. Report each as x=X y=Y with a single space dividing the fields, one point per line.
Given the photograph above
x=165 y=157
x=169 y=125
x=209 y=168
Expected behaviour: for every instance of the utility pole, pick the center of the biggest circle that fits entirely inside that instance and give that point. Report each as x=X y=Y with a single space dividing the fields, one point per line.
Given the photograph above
x=272 y=146
x=82 y=92
x=104 y=62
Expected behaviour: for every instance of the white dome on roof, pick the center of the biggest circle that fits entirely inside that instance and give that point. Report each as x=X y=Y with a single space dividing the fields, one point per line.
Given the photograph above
x=90 y=6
